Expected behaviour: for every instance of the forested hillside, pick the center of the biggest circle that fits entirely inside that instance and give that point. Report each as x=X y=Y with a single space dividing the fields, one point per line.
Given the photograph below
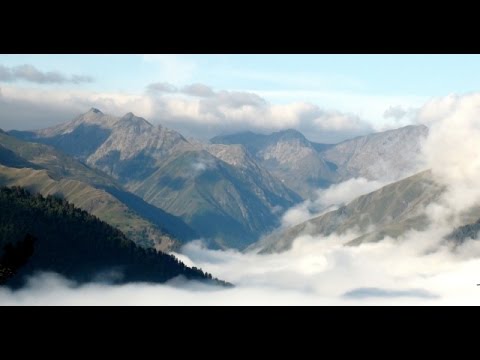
x=75 y=244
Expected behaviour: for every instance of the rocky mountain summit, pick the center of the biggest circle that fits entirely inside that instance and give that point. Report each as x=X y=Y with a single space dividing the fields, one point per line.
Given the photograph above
x=287 y=155
x=223 y=194
x=388 y=155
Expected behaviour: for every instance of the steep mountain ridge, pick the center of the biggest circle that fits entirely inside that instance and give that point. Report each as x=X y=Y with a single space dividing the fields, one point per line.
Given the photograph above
x=215 y=198
x=388 y=155
x=305 y=166
x=287 y=155
x=220 y=200
x=260 y=180
x=389 y=211
x=93 y=200
x=79 y=138
x=135 y=148
x=141 y=221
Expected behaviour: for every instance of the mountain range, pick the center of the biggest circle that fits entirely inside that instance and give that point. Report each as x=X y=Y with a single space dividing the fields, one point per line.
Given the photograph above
x=229 y=204
x=289 y=156
x=42 y=169
x=154 y=187
x=230 y=191
x=305 y=166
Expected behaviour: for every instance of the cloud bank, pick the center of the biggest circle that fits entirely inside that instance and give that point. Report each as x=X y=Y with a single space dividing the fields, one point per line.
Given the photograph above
x=194 y=110
x=317 y=271
x=198 y=109
x=30 y=73
x=329 y=199
x=451 y=151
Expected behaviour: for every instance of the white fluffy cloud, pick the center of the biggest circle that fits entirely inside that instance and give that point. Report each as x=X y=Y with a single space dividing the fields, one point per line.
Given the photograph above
x=30 y=73
x=211 y=113
x=348 y=190
x=329 y=199
x=316 y=271
x=200 y=90
x=395 y=112
x=194 y=110
x=24 y=108
x=452 y=152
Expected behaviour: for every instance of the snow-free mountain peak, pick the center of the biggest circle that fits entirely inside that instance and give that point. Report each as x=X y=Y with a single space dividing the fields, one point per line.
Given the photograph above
x=92 y=116
x=289 y=135
x=387 y=155
x=288 y=155
x=94 y=110
x=93 y=119
x=129 y=119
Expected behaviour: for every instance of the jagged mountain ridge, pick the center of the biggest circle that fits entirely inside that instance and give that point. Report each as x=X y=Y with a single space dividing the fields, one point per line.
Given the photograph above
x=289 y=156
x=387 y=155
x=305 y=166
x=93 y=200
x=49 y=171
x=78 y=138
x=213 y=197
x=161 y=166
x=260 y=180
x=135 y=148
x=389 y=211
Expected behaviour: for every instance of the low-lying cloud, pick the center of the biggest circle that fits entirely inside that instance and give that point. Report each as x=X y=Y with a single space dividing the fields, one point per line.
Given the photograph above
x=30 y=73
x=451 y=151
x=329 y=199
x=28 y=108
x=316 y=271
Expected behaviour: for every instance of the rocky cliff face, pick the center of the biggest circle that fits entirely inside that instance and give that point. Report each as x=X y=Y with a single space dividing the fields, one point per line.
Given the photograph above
x=388 y=155
x=79 y=137
x=287 y=155
x=135 y=148
x=264 y=184
x=305 y=166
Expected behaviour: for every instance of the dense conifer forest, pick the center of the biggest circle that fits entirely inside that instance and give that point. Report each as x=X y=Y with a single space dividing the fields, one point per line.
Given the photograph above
x=49 y=234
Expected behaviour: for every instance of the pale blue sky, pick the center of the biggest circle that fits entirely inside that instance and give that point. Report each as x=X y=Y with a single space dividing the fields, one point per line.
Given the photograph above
x=420 y=75
x=360 y=85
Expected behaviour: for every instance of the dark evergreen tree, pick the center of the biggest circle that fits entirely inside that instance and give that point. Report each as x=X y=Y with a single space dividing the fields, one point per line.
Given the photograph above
x=48 y=234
